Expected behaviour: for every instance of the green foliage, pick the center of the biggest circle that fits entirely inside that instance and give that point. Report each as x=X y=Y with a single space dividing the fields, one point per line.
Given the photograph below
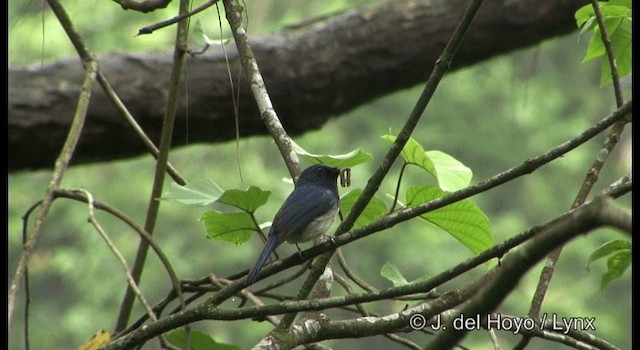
x=391 y=272
x=238 y=227
x=374 y=210
x=451 y=174
x=198 y=192
x=197 y=341
x=617 y=21
x=619 y=252
x=463 y=220
x=235 y=227
x=248 y=200
x=539 y=95
x=350 y=159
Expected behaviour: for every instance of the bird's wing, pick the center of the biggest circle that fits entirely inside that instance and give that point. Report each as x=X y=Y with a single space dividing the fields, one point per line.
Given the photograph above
x=302 y=207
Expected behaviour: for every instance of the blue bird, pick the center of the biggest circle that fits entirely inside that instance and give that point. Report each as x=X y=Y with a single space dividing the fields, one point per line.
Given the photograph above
x=309 y=211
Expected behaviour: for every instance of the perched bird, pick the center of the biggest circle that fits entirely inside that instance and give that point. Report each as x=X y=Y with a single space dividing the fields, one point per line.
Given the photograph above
x=309 y=211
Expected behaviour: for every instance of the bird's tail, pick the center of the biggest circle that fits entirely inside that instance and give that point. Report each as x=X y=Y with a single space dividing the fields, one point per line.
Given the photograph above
x=269 y=247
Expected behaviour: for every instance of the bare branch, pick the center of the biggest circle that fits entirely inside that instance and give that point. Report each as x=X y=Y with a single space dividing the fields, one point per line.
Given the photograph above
x=62 y=163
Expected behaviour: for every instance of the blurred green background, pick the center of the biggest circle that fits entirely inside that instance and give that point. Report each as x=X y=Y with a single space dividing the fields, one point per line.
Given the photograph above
x=491 y=116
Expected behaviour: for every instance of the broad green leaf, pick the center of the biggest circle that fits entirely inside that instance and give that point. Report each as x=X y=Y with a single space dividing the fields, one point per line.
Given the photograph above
x=346 y=160
x=589 y=25
x=247 y=200
x=197 y=341
x=608 y=9
x=199 y=192
x=463 y=220
x=619 y=30
x=452 y=175
x=617 y=21
x=606 y=249
x=617 y=264
x=413 y=153
x=583 y=15
x=236 y=227
x=619 y=252
x=391 y=272
x=373 y=211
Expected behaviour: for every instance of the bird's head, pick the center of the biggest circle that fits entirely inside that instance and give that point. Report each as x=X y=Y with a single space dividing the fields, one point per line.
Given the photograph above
x=319 y=174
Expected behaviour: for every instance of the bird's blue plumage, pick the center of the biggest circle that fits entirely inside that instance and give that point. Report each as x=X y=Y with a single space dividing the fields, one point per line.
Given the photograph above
x=308 y=212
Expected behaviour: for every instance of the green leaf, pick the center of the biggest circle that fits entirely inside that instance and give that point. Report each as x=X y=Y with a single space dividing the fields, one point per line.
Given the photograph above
x=463 y=220
x=608 y=9
x=617 y=264
x=199 y=192
x=584 y=14
x=372 y=212
x=617 y=21
x=619 y=252
x=346 y=160
x=197 y=341
x=247 y=200
x=391 y=272
x=451 y=174
x=413 y=153
x=236 y=227
x=606 y=249
x=619 y=29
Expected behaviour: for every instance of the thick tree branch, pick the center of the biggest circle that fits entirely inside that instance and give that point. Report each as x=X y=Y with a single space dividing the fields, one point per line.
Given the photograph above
x=558 y=231
x=580 y=221
x=313 y=73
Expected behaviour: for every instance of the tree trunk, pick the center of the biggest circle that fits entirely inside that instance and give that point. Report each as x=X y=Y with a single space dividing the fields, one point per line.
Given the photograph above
x=313 y=71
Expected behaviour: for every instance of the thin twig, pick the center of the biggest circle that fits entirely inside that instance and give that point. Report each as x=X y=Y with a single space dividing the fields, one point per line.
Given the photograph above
x=177 y=19
x=124 y=112
x=27 y=293
x=621 y=187
x=268 y=115
x=344 y=283
x=579 y=221
x=441 y=67
x=161 y=165
x=606 y=41
x=395 y=196
x=399 y=216
x=590 y=178
x=235 y=97
x=164 y=260
x=559 y=229
x=352 y=276
x=207 y=312
x=94 y=222
x=62 y=163
x=526 y=168
x=248 y=295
